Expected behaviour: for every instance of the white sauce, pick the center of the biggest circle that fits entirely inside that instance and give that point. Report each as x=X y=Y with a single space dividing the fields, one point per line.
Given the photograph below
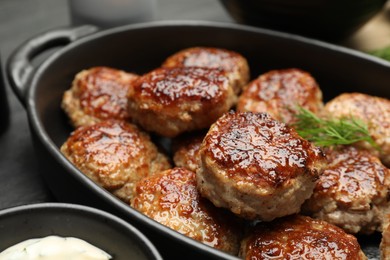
x=54 y=247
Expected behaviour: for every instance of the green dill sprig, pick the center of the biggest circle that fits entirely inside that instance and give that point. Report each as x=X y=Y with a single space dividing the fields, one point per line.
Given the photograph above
x=382 y=53
x=331 y=132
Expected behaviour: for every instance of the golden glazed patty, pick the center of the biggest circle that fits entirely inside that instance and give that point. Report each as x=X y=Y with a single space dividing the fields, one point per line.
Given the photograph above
x=171 y=198
x=280 y=92
x=385 y=241
x=300 y=237
x=352 y=192
x=186 y=150
x=170 y=101
x=114 y=154
x=233 y=63
x=98 y=94
x=256 y=166
x=373 y=111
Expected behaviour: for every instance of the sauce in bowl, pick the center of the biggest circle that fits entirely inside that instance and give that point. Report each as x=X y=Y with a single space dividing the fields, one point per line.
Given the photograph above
x=54 y=247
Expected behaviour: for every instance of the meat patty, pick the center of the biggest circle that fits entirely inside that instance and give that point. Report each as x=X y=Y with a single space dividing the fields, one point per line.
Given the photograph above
x=186 y=150
x=171 y=198
x=373 y=111
x=385 y=242
x=300 y=237
x=280 y=92
x=233 y=63
x=256 y=166
x=170 y=101
x=114 y=154
x=352 y=192
x=98 y=94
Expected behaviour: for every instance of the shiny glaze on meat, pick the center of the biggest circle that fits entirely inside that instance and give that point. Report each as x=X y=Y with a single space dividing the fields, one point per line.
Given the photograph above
x=172 y=86
x=114 y=154
x=204 y=57
x=186 y=150
x=371 y=110
x=352 y=192
x=171 y=101
x=353 y=176
x=171 y=198
x=109 y=146
x=103 y=92
x=255 y=148
x=300 y=237
x=279 y=92
x=234 y=64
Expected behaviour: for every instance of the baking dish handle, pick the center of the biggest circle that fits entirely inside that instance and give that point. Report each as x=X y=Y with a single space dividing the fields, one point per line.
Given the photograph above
x=19 y=65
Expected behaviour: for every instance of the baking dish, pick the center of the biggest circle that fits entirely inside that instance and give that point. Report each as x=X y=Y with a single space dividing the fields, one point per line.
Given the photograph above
x=139 y=48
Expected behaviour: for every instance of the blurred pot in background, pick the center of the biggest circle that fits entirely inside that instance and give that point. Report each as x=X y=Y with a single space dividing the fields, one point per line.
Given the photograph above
x=329 y=20
x=111 y=13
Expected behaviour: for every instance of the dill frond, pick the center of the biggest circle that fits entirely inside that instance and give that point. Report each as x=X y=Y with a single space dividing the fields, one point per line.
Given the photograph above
x=331 y=132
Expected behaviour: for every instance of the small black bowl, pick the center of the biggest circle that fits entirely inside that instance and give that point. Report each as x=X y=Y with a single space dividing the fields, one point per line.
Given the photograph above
x=103 y=230
x=330 y=20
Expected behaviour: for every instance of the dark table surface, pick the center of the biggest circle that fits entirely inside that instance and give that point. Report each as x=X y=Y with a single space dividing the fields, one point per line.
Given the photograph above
x=20 y=180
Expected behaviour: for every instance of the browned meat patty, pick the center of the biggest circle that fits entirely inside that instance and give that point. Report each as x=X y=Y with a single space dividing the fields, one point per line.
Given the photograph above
x=385 y=242
x=280 y=92
x=171 y=198
x=186 y=150
x=352 y=192
x=373 y=111
x=256 y=166
x=170 y=101
x=97 y=94
x=233 y=63
x=300 y=237
x=114 y=154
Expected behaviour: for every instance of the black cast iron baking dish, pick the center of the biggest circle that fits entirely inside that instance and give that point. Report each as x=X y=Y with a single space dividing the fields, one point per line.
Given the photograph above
x=140 y=48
